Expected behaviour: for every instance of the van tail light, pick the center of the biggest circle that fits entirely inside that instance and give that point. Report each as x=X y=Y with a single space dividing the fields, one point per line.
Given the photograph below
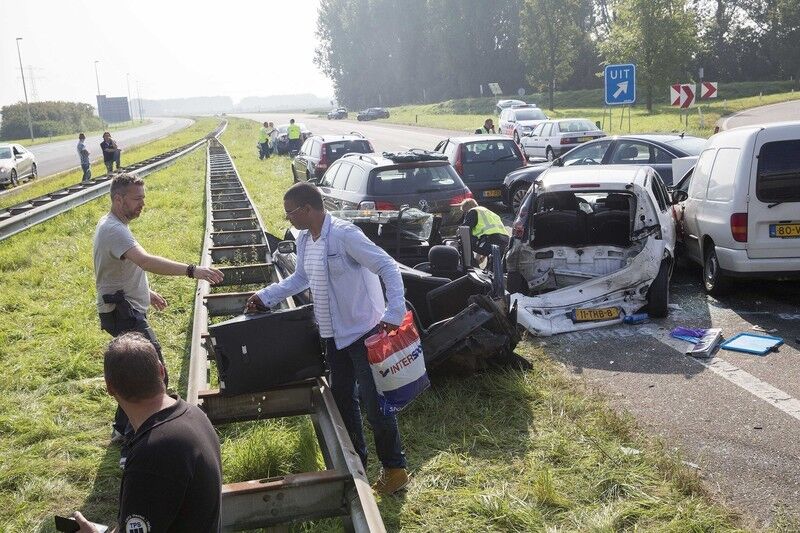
x=323 y=161
x=385 y=206
x=457 y=199
x=739 y=227
x=459 y=162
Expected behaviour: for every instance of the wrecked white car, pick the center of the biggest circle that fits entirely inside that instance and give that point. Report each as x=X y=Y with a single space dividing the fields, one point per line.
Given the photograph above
x=591 y=245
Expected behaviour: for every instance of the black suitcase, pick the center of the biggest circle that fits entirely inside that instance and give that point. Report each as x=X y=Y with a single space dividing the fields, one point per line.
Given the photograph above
x=258 y=351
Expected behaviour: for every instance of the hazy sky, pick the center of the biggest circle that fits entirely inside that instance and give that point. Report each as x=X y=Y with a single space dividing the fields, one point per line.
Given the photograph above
x=173 y=48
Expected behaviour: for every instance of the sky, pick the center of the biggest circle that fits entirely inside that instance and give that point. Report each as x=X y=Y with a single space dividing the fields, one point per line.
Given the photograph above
x=172 y=48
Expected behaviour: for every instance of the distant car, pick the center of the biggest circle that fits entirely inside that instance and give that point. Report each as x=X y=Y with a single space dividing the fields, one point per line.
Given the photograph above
x=337 y=114
x=282 y=144
x=518 y=120
x=503 y=104
x=482 y=161
x=423 y=180
x=656 y=150
x=553 y=138
x=589 y=246
x=318 y=152
x=373 y=113
x=16 y=163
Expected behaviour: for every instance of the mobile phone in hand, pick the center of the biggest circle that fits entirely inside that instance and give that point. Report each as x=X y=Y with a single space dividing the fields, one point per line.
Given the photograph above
x=69 y=525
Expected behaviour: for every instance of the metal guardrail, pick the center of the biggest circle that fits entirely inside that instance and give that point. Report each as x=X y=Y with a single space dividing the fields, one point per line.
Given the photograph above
x=236 y=243
x=22 y=216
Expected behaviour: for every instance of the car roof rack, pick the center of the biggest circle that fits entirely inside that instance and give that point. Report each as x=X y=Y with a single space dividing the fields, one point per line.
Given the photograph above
x=413 y=155
x=362 y=157
x=357 y=133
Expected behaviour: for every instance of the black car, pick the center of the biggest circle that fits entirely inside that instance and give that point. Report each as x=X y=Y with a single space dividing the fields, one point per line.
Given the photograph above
x=656 y=150
x=373 y=113
x=337 y=114
x=318 y=152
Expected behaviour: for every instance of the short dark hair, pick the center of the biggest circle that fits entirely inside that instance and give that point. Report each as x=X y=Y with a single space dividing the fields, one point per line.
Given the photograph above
x=131 y=367
x=81 y=135
x=106 y=133
x=121 y=182
x=304 y=193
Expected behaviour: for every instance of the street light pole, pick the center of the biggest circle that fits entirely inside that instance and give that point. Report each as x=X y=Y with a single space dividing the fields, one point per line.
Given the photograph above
x=139 y=98
x=97 y=77
x=25 y=89
x=128 y=81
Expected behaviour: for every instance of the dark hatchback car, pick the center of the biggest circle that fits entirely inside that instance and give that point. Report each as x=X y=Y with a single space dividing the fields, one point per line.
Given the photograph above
x=482 y=161
x=655 y=150
x=422 y=180
x=318 y=152
x=373 y=113
x=337 y=114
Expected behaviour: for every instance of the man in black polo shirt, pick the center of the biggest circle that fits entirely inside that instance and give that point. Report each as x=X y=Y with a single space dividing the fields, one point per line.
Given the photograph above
x=111 y=152
x=173 y=476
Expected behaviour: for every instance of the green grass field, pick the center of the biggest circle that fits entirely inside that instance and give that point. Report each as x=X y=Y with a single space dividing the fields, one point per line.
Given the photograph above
x=500 y=451
x=110 y=127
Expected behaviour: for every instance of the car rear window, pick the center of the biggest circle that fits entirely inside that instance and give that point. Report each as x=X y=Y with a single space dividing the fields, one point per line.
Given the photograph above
x=415 y=180
x=490 y=151
x=689 y=145
x=778 y=178
x=335 y=150
x=575 y=126
x=529 y=114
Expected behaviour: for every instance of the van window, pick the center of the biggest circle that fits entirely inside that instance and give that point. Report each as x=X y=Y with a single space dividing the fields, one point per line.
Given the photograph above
x=357 y=180
x=341 y=176
x=327 y=179
x=701 y=173
x=720 y=184
x=778 y=178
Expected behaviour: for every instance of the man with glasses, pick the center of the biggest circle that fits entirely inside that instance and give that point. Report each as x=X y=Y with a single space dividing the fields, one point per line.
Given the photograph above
x=344 y=270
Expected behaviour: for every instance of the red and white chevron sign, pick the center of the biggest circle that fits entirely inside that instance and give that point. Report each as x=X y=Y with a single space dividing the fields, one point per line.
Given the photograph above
x=708 y=89
x=681 y=94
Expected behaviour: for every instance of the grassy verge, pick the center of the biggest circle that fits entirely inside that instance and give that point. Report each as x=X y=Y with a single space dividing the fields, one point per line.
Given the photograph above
x=54 y=138
x=450 y=115
x=40 y=186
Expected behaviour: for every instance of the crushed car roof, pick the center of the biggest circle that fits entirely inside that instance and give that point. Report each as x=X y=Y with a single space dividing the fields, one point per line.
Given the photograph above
x=600 y=174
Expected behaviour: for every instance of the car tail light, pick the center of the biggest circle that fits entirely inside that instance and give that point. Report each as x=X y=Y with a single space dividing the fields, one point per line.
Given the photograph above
x=457 y=199
x=739 y=227
x=459 y=162
x=568 y=140
x=385 y=206
x=322 y=164
x=583 y=185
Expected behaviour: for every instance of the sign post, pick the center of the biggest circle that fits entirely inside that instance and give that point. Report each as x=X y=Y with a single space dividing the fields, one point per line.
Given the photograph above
x=620 y=89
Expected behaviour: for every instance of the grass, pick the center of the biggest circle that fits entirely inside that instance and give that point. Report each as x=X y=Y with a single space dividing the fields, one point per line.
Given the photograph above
x=110 y=127
x=456 y=115
x=501 y=451
x=44 y=185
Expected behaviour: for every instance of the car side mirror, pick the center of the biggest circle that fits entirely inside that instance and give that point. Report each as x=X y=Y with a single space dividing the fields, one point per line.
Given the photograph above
x=679 y=196
x=287 y=247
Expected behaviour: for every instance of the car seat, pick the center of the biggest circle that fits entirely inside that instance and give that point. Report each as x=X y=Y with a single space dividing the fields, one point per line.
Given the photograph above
x=627 y=155
x=445 y=262
x=558 y=221
x=611 y=225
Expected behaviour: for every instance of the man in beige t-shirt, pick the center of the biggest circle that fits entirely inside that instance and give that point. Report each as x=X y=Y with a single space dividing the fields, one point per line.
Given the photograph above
x=120 y=266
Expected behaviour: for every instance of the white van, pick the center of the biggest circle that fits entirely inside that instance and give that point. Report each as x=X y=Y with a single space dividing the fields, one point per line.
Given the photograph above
x=741 y=213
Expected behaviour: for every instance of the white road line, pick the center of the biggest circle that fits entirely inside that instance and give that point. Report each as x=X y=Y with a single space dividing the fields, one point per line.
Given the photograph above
x=758 y=388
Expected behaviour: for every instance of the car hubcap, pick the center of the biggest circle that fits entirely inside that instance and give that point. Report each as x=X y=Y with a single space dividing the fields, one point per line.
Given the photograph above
x=711 y=270
x=550 y=155
x=516 y=200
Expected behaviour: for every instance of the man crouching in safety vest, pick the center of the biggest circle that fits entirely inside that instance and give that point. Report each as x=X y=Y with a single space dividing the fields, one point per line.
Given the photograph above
x=486 y=229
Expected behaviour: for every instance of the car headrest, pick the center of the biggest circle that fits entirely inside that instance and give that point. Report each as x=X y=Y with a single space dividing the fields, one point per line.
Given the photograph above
x=443 y=258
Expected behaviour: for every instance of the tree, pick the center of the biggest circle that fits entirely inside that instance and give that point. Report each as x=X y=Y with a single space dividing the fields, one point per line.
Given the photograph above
x=658 y=36
x=549 y=41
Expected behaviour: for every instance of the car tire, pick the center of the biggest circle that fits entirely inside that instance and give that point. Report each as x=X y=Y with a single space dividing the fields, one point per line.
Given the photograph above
x=658 y=294
x=14 y=180
x=34 y=172
x=550 y=154
x=714 y=281
x=517 y=194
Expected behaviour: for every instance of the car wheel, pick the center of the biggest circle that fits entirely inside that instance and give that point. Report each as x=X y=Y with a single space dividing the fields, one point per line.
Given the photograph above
x=658 y=294
x=550 y=154
x=34 y=172
x=14 y=180
x=714 y=281
x=517 y=194
x=294 y=175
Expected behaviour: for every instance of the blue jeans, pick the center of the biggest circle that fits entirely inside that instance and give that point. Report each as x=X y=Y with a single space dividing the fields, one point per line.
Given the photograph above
x=87 y=171
x=351 y=377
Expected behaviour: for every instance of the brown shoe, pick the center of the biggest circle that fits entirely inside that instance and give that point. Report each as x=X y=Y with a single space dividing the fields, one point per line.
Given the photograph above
x=391 y=480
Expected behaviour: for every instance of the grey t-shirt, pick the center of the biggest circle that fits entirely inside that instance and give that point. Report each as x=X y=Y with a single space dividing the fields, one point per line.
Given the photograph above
x=84 y=156
x=112 y=238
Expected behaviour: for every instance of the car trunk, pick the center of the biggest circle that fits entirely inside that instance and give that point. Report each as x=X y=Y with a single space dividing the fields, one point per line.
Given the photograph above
x=486 y=164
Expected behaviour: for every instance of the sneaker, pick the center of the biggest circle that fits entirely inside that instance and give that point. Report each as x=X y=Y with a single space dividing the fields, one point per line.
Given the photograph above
x=391 y=480
x=117 y=437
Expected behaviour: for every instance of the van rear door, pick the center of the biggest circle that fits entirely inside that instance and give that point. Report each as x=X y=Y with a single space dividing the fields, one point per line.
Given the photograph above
x=773 y=218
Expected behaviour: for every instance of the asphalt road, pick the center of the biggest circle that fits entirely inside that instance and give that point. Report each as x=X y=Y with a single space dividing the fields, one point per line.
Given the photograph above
x=735 y=418
x=758 y=115
x=59 y=156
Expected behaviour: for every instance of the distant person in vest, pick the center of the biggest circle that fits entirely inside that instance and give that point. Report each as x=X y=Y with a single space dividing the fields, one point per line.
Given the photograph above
x=293 y=133
x=263 y=141
x=487 y=228
x=488 y=127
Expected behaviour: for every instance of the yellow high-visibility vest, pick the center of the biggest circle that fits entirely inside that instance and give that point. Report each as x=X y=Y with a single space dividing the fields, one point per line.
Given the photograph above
x=293 y=131
x=489 y=222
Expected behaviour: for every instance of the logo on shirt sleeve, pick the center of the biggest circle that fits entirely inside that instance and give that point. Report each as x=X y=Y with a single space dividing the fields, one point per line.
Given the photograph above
x=137 y=524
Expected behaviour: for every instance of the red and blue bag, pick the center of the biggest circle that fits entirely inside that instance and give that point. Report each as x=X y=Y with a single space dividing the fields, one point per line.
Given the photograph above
x=398 y=366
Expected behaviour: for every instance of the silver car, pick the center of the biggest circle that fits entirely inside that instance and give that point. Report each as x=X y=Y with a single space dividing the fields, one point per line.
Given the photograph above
x=16 y=163
x=553 y=138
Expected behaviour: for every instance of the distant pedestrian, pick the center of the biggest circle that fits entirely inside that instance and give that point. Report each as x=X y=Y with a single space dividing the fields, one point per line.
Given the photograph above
x=273 y=137
x=263 y=141
x=488 y=127
x=294 y=133
x=486 y=229
x=83 y=154
x=120 y=266
x=111 y=152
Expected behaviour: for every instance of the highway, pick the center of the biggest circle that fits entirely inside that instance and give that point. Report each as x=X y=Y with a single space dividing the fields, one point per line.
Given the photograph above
x=758 y=115
x=734 y=419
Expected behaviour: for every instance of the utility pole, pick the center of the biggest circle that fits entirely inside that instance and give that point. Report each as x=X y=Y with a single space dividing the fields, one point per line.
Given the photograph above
x=128 y=81
x=25 y=89
x=139 y=97
x=97 y=77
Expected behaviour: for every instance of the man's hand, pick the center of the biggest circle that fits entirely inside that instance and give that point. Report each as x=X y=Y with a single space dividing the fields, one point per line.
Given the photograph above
x=211 y=275
x=157 y=301
x=389 y=328
x=255 y=305
x=86 y=526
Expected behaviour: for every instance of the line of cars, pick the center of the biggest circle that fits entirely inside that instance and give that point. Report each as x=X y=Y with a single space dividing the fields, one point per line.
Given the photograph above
x=370 y=113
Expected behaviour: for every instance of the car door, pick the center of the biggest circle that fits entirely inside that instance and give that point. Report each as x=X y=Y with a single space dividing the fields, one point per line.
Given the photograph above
x=23 y=160
x=325 y=187
x=661 y=160
x=299 y=161
x=590 y=153
x=355 y=188
x=630 y=152
x=529 y=141
x=338 y=196
x=663 y=204
x=694 y=205
x=506 y=122
x=544 y=140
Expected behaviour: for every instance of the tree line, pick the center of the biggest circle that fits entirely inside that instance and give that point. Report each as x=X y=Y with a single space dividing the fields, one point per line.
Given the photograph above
x=49 y=119
x=383 y=52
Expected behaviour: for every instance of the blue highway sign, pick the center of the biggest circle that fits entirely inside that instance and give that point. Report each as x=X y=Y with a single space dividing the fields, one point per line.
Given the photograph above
x=620 y=84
